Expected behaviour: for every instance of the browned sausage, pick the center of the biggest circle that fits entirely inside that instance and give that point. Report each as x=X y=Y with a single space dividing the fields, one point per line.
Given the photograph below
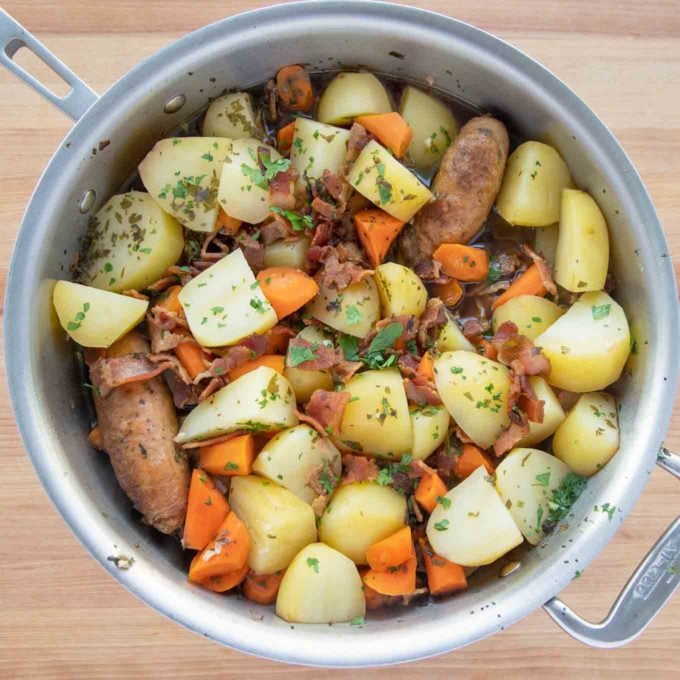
x=465 y=189
x=137 y=423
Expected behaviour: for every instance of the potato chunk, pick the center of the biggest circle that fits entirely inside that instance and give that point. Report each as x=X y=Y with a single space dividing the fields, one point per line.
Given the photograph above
x=531 y=314
x=451 y=338
x=582 y=255
x=475 y=392
x=321 y=585
x=475 y=527
x=429 y=425
x=350 y=95
x=278 y=522
x=284 y=253
x=305 y=382
x=553 y=415
x=223 y=304
x=360 y=515
x=376 y=421
x=589 y=436
x=258 y=401
x=384 y=181
x=182 y=175
x=130 y=243
x=293 y=455
x=532 y=186
x=232 y=115
x=400 y=289
x=525 y=480
x=93 y=317
x=588 y=346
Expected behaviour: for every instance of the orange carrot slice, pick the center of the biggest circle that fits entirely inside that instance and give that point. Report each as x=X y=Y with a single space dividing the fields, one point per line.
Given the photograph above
x=206 y=510
x=469 y=460
x=464 y=263
x=274 y=361
x=391 y=551
x=429 y=488
x=295 y=88
x=376 y=230
x=443 y=577
x=223 y=582
x=529 y=283
x=398 y=581
x=286 y=288
x=262 y=588
x=232 y=457
x=390 y=129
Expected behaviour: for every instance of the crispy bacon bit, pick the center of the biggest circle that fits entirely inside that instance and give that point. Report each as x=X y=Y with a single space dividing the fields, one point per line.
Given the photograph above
x=220 y=367
x=529 y=402
x=344 y=369
x=325 y=209
x=543 y=269
x=280 y=189
x=209 y=442
x=325 y=357
x=210 y=389
x=472 y=328
x=431 y=271
x=183 y=395
x=270 y=98
x=162 y=284
x=432 y=319
x=358 y=469
x=322 y=481
x=304 y=418
x=172 y=363
x=253 y=250
x=340 y=275
x=518 y=352
x=421 y=391
x=462 y=436
x=213 y=238
x=408 y=365
x=185 y=274
x=508 y=438
x=322 y=234
x=443 y=462
x=327 y=408
x=358 y=138
x=275 y=230
x=334 y=185
x=161 y=339
x=106 y=374
x=134 y=293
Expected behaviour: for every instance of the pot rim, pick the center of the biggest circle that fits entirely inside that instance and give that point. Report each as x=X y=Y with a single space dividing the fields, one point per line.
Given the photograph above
x=358 y=647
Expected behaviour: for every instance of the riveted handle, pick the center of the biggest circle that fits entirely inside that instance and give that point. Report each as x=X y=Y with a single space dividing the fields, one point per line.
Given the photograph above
x=13 y=36
x=647 y=591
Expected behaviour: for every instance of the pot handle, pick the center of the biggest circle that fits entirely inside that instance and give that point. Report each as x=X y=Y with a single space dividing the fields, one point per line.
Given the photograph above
x=13 y=36
x=647 y=591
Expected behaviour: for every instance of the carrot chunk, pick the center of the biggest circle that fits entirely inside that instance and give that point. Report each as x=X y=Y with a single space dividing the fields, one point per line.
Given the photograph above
x=223 y=582
x=232 y=457
x=295 y=88
x=390 y=129
x=262 y=588
x=286 y=288
x=278 y=338
x=429 y=489
x=449 y=293
x=391 y=551
x=485 y=347
x=230 y=224
x=529 y=283
x=192 y=357
x=443 y=577
x=376 y=230
x=469 y=460
x=284 y=138
x=206 y=510
x=426 y=366
x=464 y=263
x=170 y=300
x=274 y=361
x=400 y=580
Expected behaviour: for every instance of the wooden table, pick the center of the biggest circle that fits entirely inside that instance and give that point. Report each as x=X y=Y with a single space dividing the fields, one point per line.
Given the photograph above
x=61 y=615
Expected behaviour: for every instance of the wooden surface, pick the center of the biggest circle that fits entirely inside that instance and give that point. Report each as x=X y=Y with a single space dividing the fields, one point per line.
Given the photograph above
x=61 y=616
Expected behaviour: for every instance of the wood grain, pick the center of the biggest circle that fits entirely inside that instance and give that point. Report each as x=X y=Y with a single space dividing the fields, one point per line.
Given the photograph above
x=62 y=616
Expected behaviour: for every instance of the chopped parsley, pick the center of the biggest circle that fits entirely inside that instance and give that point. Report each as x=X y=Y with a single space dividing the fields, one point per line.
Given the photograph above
x=542 y=479
x=313 y=563
x=353 y=315
x=78 y=318
x=494 y=274
x=297 y=222
x=298 y=355
x=444 y=502
x=563 y=497
x=358 y=621
x=257 y=305
x=442 y=525
x=600 y=311
x=384 y=477
x=231 y=466
x=386 y=337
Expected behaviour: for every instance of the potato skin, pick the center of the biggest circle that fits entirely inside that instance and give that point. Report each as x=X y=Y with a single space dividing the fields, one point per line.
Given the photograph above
x=465 y=189
x=138 y=423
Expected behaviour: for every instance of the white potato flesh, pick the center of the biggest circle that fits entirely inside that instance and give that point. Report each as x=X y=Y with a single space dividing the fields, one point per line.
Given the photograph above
x=292 y=455
x=232 y=115
x=317 y=147
x=434 y=126
x=531 y=314
x=284 y=253
x=244 y=190
x=545 y=243
x=383 y=180
x=360 y=515
x=588 y=346
x=475 y=392
x=353 y=310
x=321 y=585
x=130 y=243
x=582 y=255
x=475 y=528
x=350 y=95
x=553 y=414
x=224 y=304
x=259 y=401
x=451 y=337
x=531 y=192
x=376 y=420
x=589 y=436
x=279 y=523
x=94 y=317
x=525 y=480
x=429 y=425
x=304 y=382
x=182 y=175
x=400 y=289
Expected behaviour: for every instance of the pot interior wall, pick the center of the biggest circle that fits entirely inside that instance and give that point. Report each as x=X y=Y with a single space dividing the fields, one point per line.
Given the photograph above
x=244 y=52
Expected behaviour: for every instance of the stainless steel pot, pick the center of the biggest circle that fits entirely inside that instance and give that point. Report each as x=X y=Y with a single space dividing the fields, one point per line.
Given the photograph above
x=242 y=51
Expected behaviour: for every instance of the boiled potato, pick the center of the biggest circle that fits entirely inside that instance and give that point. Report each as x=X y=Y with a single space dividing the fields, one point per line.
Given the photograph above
x=434 y=126
x=582 y=255
x=285 y=253
x=321 y=585
x=350 y=95
x=279 y=523
x=233 y=116
x=376 y=421
x=531 y=314
x=532 y=186
x=400 y=289
x=317 y=147
x=475 y=392
x=588 y=346
x=244 y=188
x=475 y=528
x=304 y=382
x=451 y=338
x=353 y=310
x=182 y=175
x=93 y=317
x=259 y=401
x=525 y=480
x=130 y=243
x=429 y=425
x=589 y=436
x=384 y=181
x=223 y=304
x=553 y=414
x=290 y=457
x=360 y=515
x=545 y=243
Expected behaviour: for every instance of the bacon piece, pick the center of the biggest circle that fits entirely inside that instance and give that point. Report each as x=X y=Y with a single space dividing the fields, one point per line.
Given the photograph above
x=173 y=364
x=280 y=189
x=220 y=367
x=314 y=482
x=184 y=274
x=275 y=230
x=105 y=374
x=432 y=319
x=358 y=138
x=134 y=293
x=162 y=340
x=162 y=284
x=421 y=391
x=518 y=352
x=210 y=389
x=334 y=185
x=325 y=209
x=543 y=269
x=408 y=365
x=213 y=440
x=304 y=418
x=472 y=328
x=327 y=408
x=322 y=234
x=340 y=275
x=345 y=369
x=567 y=399
x=358 y=469
x=183 y=395
x=253 y=250
x=529 y=402
x=509 y=437
x=325 y=357
x=431 y=271
x=213 y=239
x=443 y=462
